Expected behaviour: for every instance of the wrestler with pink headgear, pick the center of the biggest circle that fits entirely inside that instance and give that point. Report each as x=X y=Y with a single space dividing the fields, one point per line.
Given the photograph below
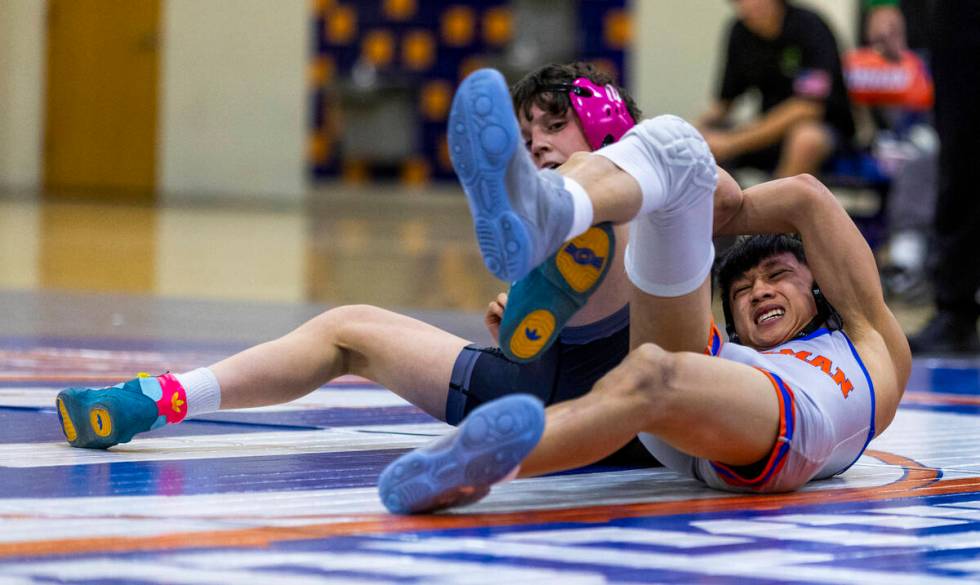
x=601 y=111
x=564 y=110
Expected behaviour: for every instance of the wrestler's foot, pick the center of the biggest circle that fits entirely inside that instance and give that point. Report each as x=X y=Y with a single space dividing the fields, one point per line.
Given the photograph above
x=460 y=468
x=521 y=215
x=98 y=418
x=540 y=304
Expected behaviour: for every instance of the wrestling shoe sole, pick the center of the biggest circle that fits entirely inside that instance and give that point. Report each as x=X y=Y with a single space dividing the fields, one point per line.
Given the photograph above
x=540 y=304
x=483 y=136
x=461 y=468
x=88 y=426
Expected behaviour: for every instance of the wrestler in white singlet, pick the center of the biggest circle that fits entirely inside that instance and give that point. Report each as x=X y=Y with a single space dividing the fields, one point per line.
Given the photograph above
x=827 y=413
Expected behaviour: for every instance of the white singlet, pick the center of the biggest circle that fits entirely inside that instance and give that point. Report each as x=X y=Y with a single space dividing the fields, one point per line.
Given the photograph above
x=826 y=419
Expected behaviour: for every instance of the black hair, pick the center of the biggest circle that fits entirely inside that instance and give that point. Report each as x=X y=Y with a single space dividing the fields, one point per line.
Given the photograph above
x=750 y=251
x=535 y=88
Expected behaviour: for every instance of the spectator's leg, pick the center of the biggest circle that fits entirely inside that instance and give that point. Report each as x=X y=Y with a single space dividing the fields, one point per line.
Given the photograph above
x=806 y=147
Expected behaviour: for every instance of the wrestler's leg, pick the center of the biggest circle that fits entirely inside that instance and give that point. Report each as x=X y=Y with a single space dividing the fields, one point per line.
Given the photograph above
x=700 y=405
x=704 y=406
x=661 y=176
x=663 y=173
x=806 y=146
x=411 y=358
x=712 y=408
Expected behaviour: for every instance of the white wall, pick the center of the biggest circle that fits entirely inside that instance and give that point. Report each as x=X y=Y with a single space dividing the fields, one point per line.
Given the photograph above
x=679 y=43
x=232 y=97
x=21 y=92
x=20 y=244
x=233 y=86
x=233 y=101
x=251 y=254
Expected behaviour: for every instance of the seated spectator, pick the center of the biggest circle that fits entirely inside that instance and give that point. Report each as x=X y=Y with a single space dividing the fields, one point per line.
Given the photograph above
x=789 y=55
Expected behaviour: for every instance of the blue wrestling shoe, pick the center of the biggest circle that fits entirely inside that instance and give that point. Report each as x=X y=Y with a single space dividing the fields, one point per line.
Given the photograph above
x=460 y=468
x=521 y=215
x=540 y=304
x=100 y=418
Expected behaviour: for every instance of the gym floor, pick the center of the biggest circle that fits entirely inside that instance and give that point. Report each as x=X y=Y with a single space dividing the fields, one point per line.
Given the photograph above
x=92 y=293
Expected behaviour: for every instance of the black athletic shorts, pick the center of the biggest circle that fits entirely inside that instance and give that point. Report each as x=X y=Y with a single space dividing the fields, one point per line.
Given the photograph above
x=564 y=372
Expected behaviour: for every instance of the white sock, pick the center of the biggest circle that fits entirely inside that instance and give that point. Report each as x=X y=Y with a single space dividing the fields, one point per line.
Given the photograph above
x=203 y=391
x=583 y=211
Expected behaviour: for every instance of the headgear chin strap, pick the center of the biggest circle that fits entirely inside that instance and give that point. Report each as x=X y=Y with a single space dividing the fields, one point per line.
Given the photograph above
x=601 y=110
x=827 y=316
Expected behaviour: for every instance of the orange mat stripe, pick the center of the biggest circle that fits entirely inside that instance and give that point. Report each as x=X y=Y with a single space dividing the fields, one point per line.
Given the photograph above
x=917 y=481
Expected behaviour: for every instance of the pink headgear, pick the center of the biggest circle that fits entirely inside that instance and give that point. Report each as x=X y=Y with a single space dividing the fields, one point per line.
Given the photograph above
x=601 y=110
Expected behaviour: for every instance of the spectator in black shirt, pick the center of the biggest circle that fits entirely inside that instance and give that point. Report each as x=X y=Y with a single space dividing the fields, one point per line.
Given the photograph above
x=790 y=56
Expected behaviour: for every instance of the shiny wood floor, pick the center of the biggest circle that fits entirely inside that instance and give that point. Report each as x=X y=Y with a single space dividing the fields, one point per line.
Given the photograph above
x=404 y=250
x=400 y=250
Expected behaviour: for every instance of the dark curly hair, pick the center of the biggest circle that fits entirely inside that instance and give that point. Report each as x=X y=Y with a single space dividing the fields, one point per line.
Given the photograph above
x=531 y=89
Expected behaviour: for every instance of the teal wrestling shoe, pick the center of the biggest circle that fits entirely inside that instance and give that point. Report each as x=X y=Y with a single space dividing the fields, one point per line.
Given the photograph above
x=461 y=467
x=540 y=304
x=100 y=418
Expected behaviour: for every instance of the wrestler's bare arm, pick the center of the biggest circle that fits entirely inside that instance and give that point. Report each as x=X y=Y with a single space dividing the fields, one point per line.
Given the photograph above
x=727 y=202
x=837 y=254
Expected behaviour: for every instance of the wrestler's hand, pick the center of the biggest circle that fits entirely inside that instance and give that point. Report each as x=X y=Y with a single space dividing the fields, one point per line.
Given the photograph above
x=495 y=314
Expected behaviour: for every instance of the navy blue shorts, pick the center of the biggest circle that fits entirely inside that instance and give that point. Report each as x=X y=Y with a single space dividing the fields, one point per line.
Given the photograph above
x=564 y=372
